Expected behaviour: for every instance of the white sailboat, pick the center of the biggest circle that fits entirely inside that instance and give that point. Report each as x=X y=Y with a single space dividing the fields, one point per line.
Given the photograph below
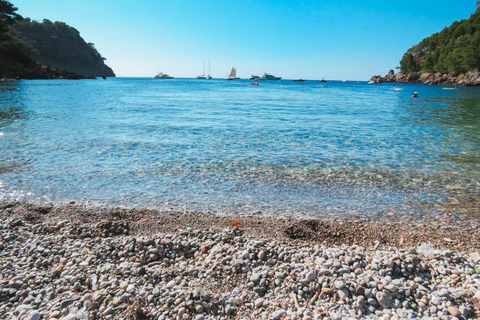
x=203 y=75
x=233 y=75
x=209 y=75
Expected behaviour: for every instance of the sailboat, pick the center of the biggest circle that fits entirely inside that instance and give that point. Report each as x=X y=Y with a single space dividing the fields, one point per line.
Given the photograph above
x=203 y=75
x=233 y=75
x=209 y=75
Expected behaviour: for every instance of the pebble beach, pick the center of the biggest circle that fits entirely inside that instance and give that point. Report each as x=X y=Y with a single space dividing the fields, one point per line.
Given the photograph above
x=78 y=262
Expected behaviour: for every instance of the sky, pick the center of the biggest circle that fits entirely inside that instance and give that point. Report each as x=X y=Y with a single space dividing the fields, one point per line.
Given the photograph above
x=349 y=39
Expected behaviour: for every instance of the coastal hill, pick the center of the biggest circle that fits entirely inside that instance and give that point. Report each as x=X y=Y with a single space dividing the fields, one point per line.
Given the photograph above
x=59 y=45
x=47 y=50
x=451 y=56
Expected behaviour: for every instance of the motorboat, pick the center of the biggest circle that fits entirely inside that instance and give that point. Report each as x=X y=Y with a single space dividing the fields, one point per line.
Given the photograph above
x=268 y=76
x=162 y=75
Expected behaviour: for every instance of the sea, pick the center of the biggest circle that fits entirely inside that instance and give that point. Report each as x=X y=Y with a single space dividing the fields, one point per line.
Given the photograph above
x=281 y=148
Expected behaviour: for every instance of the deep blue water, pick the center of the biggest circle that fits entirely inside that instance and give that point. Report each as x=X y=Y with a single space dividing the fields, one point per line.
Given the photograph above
x=224 y=146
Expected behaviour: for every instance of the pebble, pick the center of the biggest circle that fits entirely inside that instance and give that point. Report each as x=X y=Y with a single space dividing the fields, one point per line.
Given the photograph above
x=201 y=274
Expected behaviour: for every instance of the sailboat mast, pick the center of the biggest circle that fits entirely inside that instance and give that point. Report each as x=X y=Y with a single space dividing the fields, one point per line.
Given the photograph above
x=203 y=67
x=209 y=69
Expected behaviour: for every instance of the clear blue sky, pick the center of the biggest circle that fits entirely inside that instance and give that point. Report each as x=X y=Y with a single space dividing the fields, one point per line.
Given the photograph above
x=351 y=39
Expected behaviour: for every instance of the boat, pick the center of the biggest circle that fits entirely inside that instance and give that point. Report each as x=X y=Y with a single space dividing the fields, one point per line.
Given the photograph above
x=233 y=75
x=371 y=82
x=298 y=80
x=345 y=80
x=323 y=80
x=203 y=74
x=268 y=76
x=209 y=71
x=162 y=75
x=254 y=77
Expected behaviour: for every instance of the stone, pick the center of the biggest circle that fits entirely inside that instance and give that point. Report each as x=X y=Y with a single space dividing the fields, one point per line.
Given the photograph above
x=34 y=315
x=279 y=314
x=310 y=276
x=259 y=302
x=255 y=277
x=382 y=299
x=339 y=284
x=454 y=311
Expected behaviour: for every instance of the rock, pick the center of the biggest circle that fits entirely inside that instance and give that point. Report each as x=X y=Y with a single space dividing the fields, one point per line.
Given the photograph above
x=171 y=284
x=343 y=294
x=259 y=302
x=34 y=315
x=261 y=255
x=339 y=284
x=454 y=311
x=382 y=300
x=310 y=276
x=279 y=314
x=255 y=277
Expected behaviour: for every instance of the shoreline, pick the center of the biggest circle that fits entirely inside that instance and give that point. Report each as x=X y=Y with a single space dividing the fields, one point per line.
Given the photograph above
x=78 y=262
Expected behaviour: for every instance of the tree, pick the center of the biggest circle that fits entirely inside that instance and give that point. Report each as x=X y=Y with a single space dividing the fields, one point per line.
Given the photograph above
x=408 y=63
x=7 y=18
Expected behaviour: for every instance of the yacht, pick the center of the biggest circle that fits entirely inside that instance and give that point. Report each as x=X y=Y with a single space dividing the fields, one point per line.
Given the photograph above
x=209 y=70
x=323 y=80
x=162 y=75
x=268 y=76
x=203 y=74
x=254 y=77
x=298 y=80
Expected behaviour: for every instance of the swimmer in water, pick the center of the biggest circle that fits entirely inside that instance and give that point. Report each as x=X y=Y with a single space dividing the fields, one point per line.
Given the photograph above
x=415 y=94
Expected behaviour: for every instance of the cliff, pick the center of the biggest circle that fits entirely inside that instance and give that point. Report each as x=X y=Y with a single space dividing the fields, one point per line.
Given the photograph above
x=451 y=56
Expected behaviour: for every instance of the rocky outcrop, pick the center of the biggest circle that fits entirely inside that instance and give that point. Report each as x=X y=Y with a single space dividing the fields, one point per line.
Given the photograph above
x=470 y=78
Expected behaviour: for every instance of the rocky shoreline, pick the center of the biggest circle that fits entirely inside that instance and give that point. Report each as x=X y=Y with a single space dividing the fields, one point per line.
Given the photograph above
x=470 y=78
x=80 y=262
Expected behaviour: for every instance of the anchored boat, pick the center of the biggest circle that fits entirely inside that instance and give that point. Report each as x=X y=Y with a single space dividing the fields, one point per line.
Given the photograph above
x=268 y=76
x=233 y=75
x=162 y=75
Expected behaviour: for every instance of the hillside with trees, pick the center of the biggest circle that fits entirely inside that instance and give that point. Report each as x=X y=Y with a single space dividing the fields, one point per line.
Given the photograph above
x=451 y=56
x=454 y=49
x=33 y=50
x=59 y=45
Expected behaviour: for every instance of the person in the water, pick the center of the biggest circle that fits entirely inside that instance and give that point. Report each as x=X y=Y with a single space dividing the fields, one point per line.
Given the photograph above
x=415 y=94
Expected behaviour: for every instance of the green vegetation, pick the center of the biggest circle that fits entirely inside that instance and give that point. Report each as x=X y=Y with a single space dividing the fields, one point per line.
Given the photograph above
x=58 y=45
x=7 y=18
x=30 y=49
x=454 y=49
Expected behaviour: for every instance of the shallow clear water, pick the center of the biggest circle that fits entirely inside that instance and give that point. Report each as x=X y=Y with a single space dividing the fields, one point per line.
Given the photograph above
x=224 y=146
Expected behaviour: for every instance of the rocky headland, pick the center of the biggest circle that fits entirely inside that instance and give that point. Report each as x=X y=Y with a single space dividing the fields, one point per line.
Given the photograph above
x=81 y=262
x=470 y=78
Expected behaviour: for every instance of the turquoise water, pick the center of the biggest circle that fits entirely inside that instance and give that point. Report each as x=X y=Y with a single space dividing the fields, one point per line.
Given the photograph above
x=224 y=146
